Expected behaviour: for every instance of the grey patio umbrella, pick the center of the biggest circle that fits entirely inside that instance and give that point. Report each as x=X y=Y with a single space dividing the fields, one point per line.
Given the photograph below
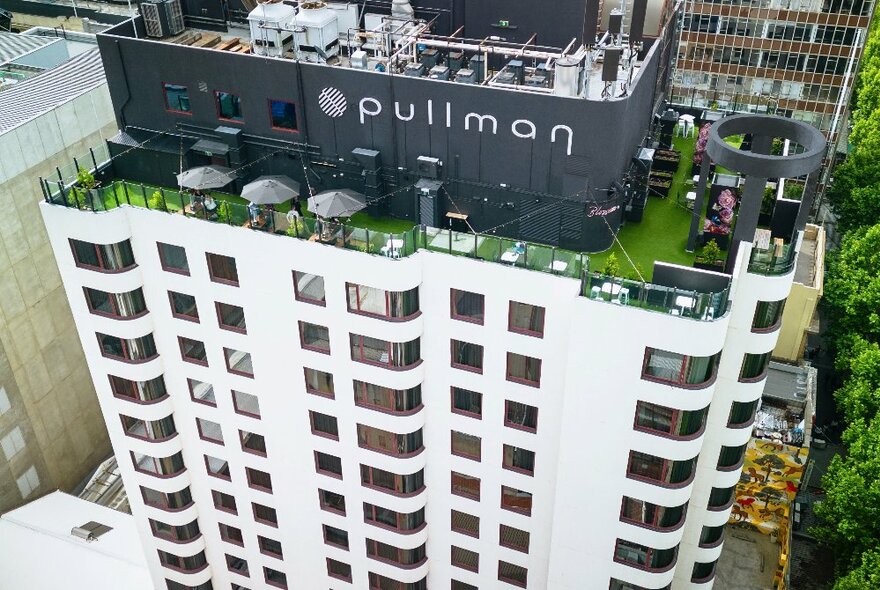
x=337 y=203
x=203 y=177
x=270 y=190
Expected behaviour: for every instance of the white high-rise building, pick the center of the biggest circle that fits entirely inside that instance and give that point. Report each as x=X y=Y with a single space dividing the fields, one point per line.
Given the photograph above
x=289 y=414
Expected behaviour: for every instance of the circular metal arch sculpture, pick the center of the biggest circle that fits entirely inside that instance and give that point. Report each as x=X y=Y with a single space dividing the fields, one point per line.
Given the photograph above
x=761 y=165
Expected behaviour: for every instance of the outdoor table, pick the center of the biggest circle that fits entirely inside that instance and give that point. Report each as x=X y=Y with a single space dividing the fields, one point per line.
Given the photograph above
x=691 y=198
x=392 y=248
x=510 y=257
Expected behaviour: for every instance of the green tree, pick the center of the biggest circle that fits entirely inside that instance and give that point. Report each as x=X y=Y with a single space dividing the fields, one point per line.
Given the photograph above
x=612 y=266
x=852 y=288
x=866 y=576
x=859 y=397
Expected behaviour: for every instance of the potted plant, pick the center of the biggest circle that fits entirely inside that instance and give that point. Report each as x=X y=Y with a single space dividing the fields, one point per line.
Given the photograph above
x=86 y=190
x=710 y=257
x=767 y=204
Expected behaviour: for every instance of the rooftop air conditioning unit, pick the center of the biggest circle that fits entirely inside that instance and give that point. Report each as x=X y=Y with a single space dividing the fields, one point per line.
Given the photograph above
x=162 y=18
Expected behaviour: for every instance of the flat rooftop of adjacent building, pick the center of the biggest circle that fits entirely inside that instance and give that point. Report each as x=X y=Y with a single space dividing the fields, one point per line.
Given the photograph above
x=788 y=383
x=748 y=561
x=38 y=551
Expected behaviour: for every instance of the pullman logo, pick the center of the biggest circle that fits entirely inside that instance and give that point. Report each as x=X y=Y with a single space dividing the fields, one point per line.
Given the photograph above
x=332 y=102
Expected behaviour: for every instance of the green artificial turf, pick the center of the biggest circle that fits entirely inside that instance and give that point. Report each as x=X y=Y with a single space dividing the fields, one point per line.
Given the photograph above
x=663 y=232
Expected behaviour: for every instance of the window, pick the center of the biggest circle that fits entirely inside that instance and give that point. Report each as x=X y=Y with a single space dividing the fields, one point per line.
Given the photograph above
x=308 y=287
x=398 y=521
x=264 y=514
x=222 y=269
x=217 y=467
x=466 y=402
x=456 y=585
x=730 y=458
x=190 y=564
x=395 y=555
x=516 y=500
x=157 y=430
x=465 y=485
x=230 y=534
x=12 y=443
x=117 y=305
x=173 y=258
x=246 y=404
x=465 y=559
x=328 y=464
x=386 y=399
x=651 y=516
x=104 y=257
x=644 y=557
x=388 y=442
x=517 y=459
x=259 y=480
x=619 y=585
x=193 y=351
x=382 y=304
x=526 y=319
x=335 y=536
x=466 y=445
x=237 y=565
x=466 y=524
x=337 y=569
x=176 y=98
x=282 y=115
x=314 y=337
x=160 y=467
x=742 y=414
x=171 y=501
x=711 y=536
x=202 y=392
x=209 y=431
x=133 y=350
x=231 y=317
x=754 y=367
x=703 y=572
x=665 y=472
x=238 y=362
x=228 y=106
x=513 y=538
x=676 y=423
x=139 y=391
x=512 y=574
x=324 y=425
x=270 y=547
x=319 y=383
x=523 y=369
x=520 y=416
x=224 y=502
x=331 y=501
x=467 y=306
x=467 y=356
x=391 y=482
x=378 y=582
x=275 y=578
x=383 y=353
x=183 y=306
x=252 y=443
x=677 y=369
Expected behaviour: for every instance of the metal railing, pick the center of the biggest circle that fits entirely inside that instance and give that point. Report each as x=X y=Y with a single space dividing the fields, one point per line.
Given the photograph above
x=776 y=260
x=680 y=302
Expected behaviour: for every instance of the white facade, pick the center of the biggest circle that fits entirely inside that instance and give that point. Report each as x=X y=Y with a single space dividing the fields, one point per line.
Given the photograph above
x=592 y=355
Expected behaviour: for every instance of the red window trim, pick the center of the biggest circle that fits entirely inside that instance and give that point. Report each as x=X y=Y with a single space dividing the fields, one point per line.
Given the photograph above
x=769 y=329
x=100 y=269
x=453 y=491
x=229 y=369
x=181 y=316
x=220 y=280
x=521 y=380
x=238 y=410
x=299 y=297
x=375 y=557
x=711 y=575
x=205 y=437
x=178 y=271
x=295 y=110
x=679 y=383
x=398 y=529
x=397 y=479
x=197 y=400
x=513 y=468
x=255 y=486
x=261 y=520
x=748 y=423
x=514 y=425
x=264 y=551
x=713 y=544
x=387 y=315
x=302 y=340
x=511 y=545
x=115 y=314
x=154 y=474
x=736 y=467
x=523 y=331
x=217 y=474
x=222 y=508
x=183 y=570
x=319 y=393
x=245 y=449
x=477 y=458
x=165 y=507
x=335 y=575
x=172 y=537
x=459 y=411
x=675 y=415
x=382 y=451
x=328 y=507
x=230 y=540
x=321 y=433
x=383 y=409
x=653 y=526
x=318 y=469
x=271 y=583
x=453 y=314
x=220 y=323
x=511 y=581
x=757 y=378
x=452 y=527
x=331 y=543
x=389 y=365
x=666 y=467
x=122 y=418
x=165 y=100
x=124 y=359
x=217 y=107
x=133 y=399
x=469 y=368
x=468 y=568
x=516 y=510
x=187 y=359
x=648 y=553
x=246 y=573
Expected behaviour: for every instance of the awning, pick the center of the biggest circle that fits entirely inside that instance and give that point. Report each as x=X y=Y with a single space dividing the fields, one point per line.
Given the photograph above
x=210 y=148
x=452 y=215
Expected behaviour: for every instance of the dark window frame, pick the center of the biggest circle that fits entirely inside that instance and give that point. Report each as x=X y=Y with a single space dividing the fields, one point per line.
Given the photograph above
x=218 y=279
x=453 y=308
x=295 y=128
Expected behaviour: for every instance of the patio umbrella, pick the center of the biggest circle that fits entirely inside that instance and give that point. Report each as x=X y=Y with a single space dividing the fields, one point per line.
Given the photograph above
x=203 y=177
x=270 y=190
x=337 y=203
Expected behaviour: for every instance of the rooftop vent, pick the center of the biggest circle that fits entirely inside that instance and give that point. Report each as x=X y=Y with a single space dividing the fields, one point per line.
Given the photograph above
x=90 y=531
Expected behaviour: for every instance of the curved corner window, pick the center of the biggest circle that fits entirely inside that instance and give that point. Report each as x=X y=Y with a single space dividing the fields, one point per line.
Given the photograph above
x=135 y=350
x=768 y=315
x=731 y=458
x=386 y=399
x=154 y=430
x=378 y=582
x=662 y=471
x=754 y=367
x=621 y=585
x=392 y=305
x=175 y=533
x=678 y=369
x=651 y=516
x=117 y=305
x=391 y=482
x=721 y=498
x=189 y=565
x=104 y=257
x=401 y=557
x=393 y=355
x=742 y=414
x=398 y=521
x=139 y=391
x=160 y=467
x=711 y=536
x=658 y=419
x=171 y=501
x=401 y=445
x=703 y=572
x=646 y=558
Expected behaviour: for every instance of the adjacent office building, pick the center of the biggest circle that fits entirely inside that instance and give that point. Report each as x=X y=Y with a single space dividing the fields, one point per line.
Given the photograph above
x=300 y=404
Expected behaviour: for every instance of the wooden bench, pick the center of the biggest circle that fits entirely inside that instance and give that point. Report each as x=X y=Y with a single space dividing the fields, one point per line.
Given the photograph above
x=207 y=40
x=226 y=45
